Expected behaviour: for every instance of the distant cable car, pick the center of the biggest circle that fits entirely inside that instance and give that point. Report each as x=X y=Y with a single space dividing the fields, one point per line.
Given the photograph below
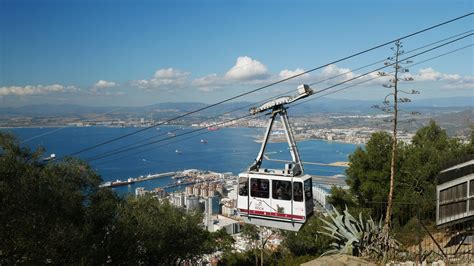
x=277 y=198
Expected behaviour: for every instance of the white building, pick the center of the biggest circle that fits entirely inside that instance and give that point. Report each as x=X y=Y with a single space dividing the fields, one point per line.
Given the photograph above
x=321 y=194
x=177 y=199
x=218 y=222
x=140 y=191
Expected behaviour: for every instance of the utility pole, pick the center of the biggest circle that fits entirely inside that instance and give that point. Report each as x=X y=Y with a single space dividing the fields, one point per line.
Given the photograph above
x=394 y=109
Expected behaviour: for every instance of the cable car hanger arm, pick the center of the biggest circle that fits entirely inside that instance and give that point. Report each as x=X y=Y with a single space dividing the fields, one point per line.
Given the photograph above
x=277 y=107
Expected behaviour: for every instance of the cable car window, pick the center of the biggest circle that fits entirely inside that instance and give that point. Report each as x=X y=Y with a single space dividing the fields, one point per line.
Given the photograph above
x=308 y=189
x=243 y=186
x=297 y=191
x=281 y=190
x=260 y=188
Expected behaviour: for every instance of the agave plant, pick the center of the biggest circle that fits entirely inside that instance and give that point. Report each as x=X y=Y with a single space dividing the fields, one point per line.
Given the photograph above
x=355 y=237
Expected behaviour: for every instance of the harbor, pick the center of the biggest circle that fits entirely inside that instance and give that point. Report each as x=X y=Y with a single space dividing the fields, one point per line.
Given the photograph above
x=131 y=180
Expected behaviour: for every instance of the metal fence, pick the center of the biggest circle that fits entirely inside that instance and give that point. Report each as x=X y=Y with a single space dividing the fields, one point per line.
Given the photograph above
x=419 y=238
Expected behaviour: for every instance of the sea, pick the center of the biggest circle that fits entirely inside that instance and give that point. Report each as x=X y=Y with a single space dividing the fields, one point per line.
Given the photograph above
x=224 y=150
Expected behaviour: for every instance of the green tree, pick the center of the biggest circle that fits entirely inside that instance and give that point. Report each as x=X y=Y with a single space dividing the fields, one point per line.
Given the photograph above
x=369 y=173
x=258 y=237
x=158 y=233
x=224 y=241
x=340 y=198
x=251 y=234
x=423 y=160
x=307 y=241
x=43 y=206
x=55 y=213
x=418 y=165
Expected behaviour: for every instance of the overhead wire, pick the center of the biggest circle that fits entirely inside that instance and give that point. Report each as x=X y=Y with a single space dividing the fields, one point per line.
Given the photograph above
x=317 y=92
x=367 y=80
x=161 y=140
x=269 y=85
x=391 y=64
x=383 y=60
x=284 y=93
x=171 y=142
x=300 y=103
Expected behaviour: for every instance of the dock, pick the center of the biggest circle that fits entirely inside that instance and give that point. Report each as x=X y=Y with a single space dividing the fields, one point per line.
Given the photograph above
x=130 y=181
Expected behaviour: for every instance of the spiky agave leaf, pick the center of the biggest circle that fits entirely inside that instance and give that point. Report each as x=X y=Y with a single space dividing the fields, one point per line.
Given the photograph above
x=361 y=237
x=351 y=224
x=337 y=226
x=331 y=233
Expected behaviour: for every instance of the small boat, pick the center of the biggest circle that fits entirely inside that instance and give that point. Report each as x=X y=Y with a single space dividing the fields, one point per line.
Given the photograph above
x=203 y=141
x=51 y=157
x=177 y=151
x=171 y=134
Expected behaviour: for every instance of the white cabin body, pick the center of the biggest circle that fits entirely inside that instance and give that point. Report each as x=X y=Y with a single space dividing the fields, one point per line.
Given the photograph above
x=271 y=198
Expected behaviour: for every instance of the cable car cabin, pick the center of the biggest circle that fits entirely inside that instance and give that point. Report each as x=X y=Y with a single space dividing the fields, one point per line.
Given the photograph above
x=275 y=200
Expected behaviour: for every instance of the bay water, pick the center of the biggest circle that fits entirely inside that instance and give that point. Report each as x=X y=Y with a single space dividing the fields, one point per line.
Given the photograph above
x=223 y=150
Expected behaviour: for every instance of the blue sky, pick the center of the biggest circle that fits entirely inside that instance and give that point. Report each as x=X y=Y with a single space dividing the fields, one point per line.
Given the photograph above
x=143 y=52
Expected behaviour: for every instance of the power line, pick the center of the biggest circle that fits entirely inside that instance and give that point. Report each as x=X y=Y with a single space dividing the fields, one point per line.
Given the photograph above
x=271 y=84
x=381 y=61
x=160 y=140
x=312 y=99
x=404 y=59
x=356 y=84
x=177 y=140
x=320 y=91
x=353 y=85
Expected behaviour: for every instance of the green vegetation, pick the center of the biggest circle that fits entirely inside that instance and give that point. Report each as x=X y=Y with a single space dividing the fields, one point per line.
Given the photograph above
x=418 y=164
x=357 y=237
x=296 y=248
x=56 y=213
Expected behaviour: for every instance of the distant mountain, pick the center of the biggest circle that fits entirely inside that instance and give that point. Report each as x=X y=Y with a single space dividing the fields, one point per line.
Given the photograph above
x=321 y=105
x=53 y=110
x=446 y=102
x=328 y=105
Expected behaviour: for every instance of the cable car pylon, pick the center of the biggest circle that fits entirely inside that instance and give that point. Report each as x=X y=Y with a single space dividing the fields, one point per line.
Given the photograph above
x=278 y=198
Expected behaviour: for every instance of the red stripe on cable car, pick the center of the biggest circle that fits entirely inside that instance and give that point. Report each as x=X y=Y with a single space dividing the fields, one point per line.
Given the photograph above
x=273 y=214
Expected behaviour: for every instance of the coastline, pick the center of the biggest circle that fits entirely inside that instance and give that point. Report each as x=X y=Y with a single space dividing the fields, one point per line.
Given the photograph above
x=257 y=139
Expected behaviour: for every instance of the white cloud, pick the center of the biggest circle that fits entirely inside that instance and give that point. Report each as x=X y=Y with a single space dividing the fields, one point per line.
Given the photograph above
x=36 y=90
x=102 y=87
x=246 y=69
x=464 y=83
x=168 y=78
x=103 y=84
x=169 y=74
x=333 y=70
x=284 y=74
x=429 y=74
x=251 y=72
x=209 y=82
x=451 y=81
